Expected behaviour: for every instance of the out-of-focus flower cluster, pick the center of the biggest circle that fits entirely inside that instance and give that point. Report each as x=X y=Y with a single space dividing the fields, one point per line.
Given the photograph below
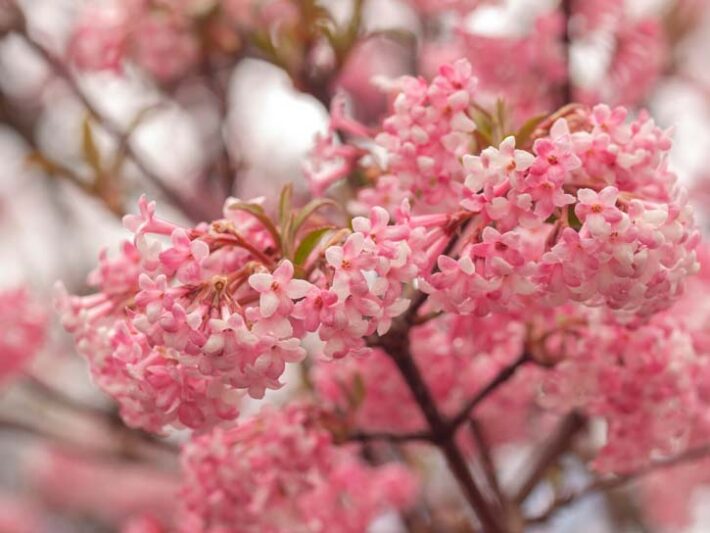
x=279 y=471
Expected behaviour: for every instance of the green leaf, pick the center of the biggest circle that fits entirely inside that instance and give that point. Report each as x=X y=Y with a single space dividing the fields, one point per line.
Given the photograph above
x=89 y=150
x=573 y=220
x=500 y=119
x=527 y=129
x=484 y=125
x=308 y=243
x=258 y=212
x=285 y=205
x=311 y=207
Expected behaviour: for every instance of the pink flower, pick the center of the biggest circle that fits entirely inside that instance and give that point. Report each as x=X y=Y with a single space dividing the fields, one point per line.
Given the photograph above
x=598 y=211
x=277 y=290
x=23 y=328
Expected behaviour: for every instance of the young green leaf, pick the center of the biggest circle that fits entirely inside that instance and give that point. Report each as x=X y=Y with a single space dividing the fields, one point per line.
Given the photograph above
x=89 y=150
x=311 y=207
x=308 y=244
x=258 y=212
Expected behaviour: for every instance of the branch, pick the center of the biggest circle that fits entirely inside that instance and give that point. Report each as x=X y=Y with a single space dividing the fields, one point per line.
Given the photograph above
x=551 y=452
x=606 y=484
x=190 y=208
x=502 y=377
x=396 y=344
x=391 y=437
x=566 y=95
x=489 y=467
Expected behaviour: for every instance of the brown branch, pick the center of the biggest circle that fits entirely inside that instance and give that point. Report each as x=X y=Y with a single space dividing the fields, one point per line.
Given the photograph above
x=189 y=208
x=606 y=484
x=502 y=377
x=550 y=454
x=396 y=344
x=391 y=437
x=489 y=467
x=566 y=92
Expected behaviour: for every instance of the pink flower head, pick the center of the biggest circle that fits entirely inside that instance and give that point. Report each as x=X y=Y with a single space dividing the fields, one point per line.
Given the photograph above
x=278 y=289
x=23 y=328
x=598 y=210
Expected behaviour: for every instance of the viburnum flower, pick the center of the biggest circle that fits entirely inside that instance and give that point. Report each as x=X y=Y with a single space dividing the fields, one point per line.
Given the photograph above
x=23 y=330
x=279 y=471
x=278 y=290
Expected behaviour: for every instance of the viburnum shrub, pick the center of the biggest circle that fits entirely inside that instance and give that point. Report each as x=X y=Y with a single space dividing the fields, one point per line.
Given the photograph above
x=497 y=265
x=573 y=235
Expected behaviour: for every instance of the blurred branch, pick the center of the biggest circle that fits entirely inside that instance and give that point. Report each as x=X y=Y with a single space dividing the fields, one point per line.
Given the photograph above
x=607 y=484
x=189 y=208
x=390 y=437
x=489 y=468
x=502 y=377
x=550 y=454
x=566 y=95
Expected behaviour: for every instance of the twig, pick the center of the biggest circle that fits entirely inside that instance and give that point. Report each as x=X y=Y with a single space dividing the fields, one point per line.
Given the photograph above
x=489 y=467
x=391 y=437
x=615 y=482
x=191 y=209
x=396 y=344
x=566 y=95
x=502 y=377
x=550 y=454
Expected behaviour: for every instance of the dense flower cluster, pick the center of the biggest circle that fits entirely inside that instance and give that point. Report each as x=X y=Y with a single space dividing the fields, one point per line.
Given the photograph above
x=176 y=331
x=23 y=329
x=590 y=213
x=279 y=472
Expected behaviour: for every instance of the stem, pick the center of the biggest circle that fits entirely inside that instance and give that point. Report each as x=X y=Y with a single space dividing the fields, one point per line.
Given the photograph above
x=112 y=128
x=502 y=377
x=566 y=95
x=390 y=437
x=606 y=484
x=487 y=461
x=551 y=452
x=396 y=345
x=420 y=297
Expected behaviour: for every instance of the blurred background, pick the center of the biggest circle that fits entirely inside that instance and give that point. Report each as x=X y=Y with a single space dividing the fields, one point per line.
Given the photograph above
x=222 y=98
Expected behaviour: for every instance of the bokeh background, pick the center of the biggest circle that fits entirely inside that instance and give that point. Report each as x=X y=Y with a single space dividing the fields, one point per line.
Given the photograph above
x=241 y=125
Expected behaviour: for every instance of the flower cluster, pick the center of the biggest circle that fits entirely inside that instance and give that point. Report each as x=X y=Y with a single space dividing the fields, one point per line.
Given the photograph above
x=177 y=331
x=158 y=38
x=23 y=328
x=593 y=216
x=641 y=382
x=279 y=471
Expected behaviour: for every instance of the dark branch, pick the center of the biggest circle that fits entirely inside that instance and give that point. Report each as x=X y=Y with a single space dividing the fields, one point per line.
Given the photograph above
x=606 y=484
x=499 y=380
x=190 y=209
x=558 y=444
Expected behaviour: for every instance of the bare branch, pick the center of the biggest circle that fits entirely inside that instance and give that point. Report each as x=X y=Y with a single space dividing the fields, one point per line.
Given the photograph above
x=191 y=209
x=606 y=484
x=502 y=377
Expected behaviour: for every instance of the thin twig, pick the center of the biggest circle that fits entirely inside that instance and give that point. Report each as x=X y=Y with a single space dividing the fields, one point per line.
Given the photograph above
x=391 y=437
x=191 y=209
x=489 y=467
x=502 y=377
x=566 y=92
x=606 y=484
x=558 y=444
x=396 y=344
